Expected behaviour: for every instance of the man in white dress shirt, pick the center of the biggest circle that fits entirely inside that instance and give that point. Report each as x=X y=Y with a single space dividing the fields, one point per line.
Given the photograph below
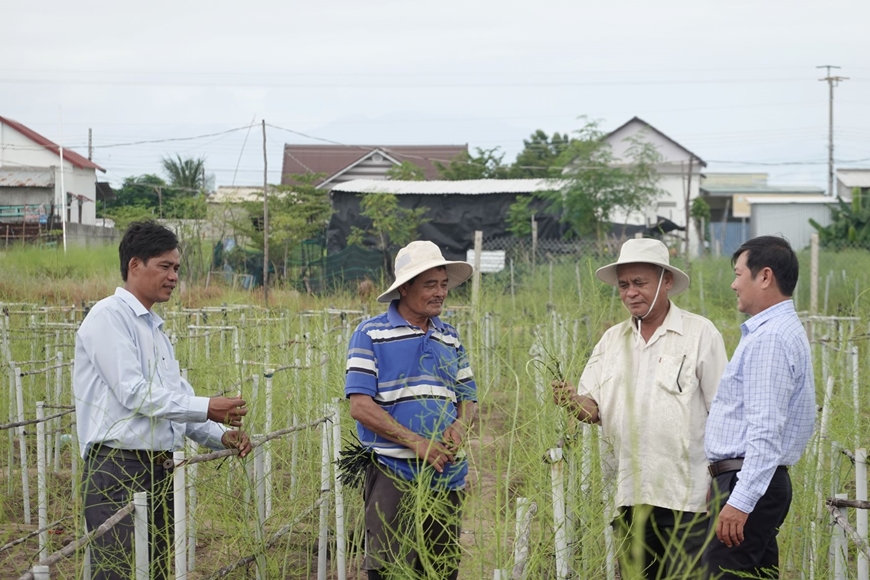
x=649 y=383
x=133 y=408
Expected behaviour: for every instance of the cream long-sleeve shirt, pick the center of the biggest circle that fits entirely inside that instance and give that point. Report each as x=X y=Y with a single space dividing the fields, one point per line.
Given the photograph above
x=653 y=399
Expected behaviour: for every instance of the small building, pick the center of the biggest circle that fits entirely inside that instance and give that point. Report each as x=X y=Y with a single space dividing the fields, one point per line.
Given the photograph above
x=31 y=176
x=679 y=171
x=733 y=198
x=789 y=216
x=848 y=179
x=342 y=163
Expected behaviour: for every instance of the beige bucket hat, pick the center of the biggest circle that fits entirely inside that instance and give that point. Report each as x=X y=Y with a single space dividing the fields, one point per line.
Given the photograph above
x=416 y=258
x=645 y=251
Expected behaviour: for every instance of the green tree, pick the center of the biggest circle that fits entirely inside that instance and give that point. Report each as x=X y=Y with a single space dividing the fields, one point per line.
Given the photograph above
x=139 y=191
x=850 y=224
x=296 y=213
x=540 y=155
x=485 y=164
x=700 y=213
x=392 y=227
x=406 y=171
x=597 y=185
x=185 y=174
x=519 y=216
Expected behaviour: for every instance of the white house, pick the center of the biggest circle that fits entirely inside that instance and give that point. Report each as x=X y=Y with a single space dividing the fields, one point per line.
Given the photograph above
x=847 y=179
x=32 y=175
x=680 y=172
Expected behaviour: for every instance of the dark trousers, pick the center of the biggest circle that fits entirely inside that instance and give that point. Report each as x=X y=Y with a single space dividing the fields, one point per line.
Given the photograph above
x=758 y=555
x=659 y=543
x=412 y=531
x=109 y=483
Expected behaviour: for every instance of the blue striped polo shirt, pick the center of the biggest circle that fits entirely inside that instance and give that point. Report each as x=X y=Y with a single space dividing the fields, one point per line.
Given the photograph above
x=418 y=378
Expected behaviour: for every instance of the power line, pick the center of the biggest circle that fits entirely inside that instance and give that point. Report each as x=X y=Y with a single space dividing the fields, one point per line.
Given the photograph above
x=170 y=139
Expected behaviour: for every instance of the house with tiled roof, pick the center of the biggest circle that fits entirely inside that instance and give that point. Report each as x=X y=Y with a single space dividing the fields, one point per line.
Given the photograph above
x=38 y=178
x=341 y=163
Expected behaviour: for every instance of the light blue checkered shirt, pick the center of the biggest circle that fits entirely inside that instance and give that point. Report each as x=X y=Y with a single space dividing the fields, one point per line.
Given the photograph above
x=765 y=407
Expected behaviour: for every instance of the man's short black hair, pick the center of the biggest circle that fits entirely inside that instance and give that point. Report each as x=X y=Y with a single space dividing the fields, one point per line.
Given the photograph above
x=145 y=240
x=771 y=252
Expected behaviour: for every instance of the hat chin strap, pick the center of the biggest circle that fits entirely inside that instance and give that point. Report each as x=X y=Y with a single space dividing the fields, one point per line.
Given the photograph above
x=652 y=304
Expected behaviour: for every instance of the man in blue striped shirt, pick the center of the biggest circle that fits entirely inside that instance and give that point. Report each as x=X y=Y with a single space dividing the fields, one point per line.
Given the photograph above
x=762 y=416
x=413 y=395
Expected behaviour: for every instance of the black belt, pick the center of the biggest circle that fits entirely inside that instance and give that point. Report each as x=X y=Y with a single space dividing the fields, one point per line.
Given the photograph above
x=727 y=465
x=143 y=456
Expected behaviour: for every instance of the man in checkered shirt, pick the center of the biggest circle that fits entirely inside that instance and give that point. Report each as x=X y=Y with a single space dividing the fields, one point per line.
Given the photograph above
x=762 y=416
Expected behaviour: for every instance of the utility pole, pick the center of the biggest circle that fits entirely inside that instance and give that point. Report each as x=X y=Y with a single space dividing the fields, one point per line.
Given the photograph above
x=688 y=208
x=832 y=82
x=90 y=144
x=265 y=221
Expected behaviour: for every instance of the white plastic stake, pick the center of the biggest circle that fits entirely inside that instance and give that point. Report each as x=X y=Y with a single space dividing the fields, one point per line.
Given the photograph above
x=839 y=547
x=323 y=539
x=191 y=504
x=521 y=536
x=140 y=535
x=58 y=392
x=180 y=511
x=41 y=572
x=861 y=515
x=41 y=483
x=340 y=543
x=856 y=394
x=22 y=444
x=557 y=478
x=267 y=448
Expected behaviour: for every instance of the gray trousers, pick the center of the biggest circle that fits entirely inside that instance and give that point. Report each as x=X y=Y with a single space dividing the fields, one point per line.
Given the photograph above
x=109 y=483
x=411 y=530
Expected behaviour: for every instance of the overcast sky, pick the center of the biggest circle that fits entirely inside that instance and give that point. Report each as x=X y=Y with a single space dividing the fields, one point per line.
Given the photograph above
x=733 y=81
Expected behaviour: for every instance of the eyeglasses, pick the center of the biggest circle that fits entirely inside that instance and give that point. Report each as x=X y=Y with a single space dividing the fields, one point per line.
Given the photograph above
x=682 y=362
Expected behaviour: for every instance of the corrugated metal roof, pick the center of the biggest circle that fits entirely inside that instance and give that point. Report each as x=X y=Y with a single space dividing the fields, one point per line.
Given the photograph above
x=233 y=194
x=238 y=194
x=26 y=177
x=467 y=187
x=854 y=177
x=720 y=190
x=791 y=199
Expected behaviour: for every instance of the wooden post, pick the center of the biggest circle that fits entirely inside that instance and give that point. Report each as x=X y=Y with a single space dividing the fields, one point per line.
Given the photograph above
x=688 y=208
x=265 y=221
x=814 y=273
x=475 y=282
x=534 y=243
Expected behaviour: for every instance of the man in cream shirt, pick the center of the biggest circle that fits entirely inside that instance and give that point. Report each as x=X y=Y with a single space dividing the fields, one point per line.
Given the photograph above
x=649 y=383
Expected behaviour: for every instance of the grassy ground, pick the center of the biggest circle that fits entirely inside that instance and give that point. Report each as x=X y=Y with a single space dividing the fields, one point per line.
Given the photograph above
x=566 y=308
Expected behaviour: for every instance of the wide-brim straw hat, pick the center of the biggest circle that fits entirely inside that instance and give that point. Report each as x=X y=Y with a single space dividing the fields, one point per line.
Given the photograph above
x=644 y=251
x=416 y=258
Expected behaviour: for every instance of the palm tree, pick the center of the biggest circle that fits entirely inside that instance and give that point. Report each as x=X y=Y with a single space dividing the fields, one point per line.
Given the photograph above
x=185 y=174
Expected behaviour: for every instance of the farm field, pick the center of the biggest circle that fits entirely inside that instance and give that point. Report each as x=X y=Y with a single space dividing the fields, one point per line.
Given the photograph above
x=288 y=361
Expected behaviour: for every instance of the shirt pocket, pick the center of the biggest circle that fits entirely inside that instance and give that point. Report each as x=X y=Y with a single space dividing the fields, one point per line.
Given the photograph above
x=676 y=374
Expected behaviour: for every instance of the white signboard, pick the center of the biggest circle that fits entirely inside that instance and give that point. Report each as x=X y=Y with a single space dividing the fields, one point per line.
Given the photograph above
x=490 y=262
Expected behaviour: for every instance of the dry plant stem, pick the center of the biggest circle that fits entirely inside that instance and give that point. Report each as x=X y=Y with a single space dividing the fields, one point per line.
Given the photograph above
x=70 y=548
x=33 y=421
x=852 y=503
x=841 y=521
x=227 y=452
x=244 y=561
x=23 y=539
